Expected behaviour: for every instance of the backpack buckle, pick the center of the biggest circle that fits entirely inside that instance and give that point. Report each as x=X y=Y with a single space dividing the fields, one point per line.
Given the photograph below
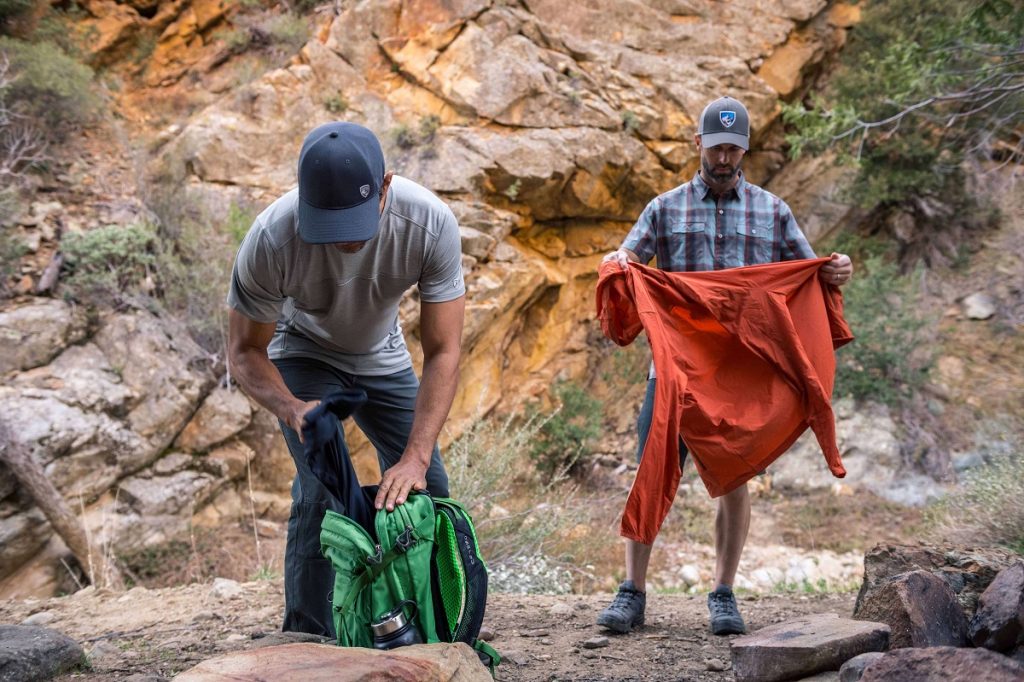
x=405 y=540
x=375 y=559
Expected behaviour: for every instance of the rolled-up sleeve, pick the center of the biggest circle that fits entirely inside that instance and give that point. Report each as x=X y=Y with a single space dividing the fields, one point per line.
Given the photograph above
x=642 y=238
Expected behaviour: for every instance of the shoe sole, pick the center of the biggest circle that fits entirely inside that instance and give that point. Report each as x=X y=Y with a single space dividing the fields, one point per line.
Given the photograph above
x=728 y=628
x=619 y=626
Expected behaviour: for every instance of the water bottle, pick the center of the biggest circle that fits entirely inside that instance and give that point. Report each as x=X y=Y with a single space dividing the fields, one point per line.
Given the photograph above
x=393 y=629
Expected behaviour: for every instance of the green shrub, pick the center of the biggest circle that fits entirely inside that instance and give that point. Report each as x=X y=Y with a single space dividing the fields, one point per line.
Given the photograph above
x=890 y=357
x=48 y=86
x=10 y=9
x=924 y=91
x=110 y=265
x=336 y=103
x=288 y=30
x=989 y=508
x=565 y=437
x=11 y=250
x=630 y=121
x=526 y=539
x=408 y=137
x=194 y=259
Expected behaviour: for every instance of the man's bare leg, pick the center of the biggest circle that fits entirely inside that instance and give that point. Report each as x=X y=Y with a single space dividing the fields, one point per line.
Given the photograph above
x=638 y=557
x=627 y=610
x=731 y=525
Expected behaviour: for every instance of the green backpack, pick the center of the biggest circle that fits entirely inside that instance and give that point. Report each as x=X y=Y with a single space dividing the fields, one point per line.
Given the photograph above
x=426 y=551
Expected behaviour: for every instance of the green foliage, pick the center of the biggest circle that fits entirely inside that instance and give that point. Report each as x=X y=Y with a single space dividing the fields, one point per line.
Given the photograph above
x=891 y=356
x=11 y=248
x=10 y=9
x=304 y=6
x=522 y=533
x=989 y=508
x=512 y=191
x=923 y=87
x=288 y=30
x=237 y=40
x=49 y=87
x=408 y=137
x=429 y=126
x=266 y=572
x=630 y=121
x=110 y=265
x=336 y=103
x=626 y=366
x=194 y=258
x=565 y=437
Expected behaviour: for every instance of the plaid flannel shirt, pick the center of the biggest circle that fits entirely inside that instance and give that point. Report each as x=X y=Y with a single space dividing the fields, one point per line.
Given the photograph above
x=688 y=230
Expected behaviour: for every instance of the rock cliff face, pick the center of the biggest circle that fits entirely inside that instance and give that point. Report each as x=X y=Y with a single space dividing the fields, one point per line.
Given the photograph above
x=546 y=126
x=547 y=129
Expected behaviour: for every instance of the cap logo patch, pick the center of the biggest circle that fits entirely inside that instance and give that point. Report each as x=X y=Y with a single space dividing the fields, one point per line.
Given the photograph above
x=364 y=191
x=727 y=118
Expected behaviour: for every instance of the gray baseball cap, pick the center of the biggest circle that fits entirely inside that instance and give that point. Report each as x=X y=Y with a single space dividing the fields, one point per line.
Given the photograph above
x=725 y=121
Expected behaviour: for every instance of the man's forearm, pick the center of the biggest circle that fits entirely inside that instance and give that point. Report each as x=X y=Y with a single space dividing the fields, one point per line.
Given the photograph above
x=262 y=382
x=434 y=401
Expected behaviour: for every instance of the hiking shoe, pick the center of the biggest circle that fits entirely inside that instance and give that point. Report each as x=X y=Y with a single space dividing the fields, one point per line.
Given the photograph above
x=725 y=616
x=626 y=611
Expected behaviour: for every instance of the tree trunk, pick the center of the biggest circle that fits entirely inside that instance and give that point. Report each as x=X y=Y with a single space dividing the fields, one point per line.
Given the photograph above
x=101 y=568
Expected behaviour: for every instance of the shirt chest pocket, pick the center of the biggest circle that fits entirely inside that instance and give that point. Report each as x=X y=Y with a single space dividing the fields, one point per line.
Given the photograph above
x=758 y=237
x=687 y=227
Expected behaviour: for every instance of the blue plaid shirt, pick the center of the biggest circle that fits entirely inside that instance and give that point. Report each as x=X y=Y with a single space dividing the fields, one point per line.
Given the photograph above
x=688 y=230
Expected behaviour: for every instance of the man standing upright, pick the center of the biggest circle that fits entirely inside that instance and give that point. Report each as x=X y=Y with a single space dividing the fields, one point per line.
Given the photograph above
x=718 y=220
x=314 y=308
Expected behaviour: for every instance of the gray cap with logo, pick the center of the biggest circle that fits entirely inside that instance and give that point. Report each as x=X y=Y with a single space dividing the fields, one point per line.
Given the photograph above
x=725 y=121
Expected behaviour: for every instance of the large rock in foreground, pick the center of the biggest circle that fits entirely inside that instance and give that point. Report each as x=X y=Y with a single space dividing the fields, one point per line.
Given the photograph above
x=920 y=608
x=328 y=663
x=999 y=622
x=34 y=653
x=967 y=571
x=942 y=663
x=804 y=646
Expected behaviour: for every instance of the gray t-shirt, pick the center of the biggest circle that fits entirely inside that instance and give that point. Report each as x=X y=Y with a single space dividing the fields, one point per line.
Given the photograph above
x=342 y=308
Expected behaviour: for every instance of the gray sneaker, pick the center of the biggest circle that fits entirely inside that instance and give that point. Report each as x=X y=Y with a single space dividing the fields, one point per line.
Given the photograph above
x=725 y=616
x=626 y=611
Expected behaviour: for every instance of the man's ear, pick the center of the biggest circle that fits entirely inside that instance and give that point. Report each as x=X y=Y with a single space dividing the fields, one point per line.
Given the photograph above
x=696 y=141
x=384 y=187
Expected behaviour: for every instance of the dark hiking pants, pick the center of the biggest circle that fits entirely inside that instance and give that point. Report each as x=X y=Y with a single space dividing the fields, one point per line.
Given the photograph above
x=386 y=419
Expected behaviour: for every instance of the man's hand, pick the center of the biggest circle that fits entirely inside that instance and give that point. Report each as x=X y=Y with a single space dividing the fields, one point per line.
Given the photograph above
x=837 y=271
x=397 y=481
x=297 y=417
x=622 y=257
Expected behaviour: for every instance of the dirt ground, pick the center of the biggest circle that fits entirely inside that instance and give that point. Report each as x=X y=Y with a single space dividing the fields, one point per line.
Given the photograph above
x=149 y=635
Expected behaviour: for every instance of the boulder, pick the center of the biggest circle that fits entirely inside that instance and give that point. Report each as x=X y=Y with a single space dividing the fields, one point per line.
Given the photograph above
x=29 y=653
x=998 y=623
x=968 y=571
x=804 y=646
x=920 y=608
x=22 y=535
x=815 y=187
x=853 y=669
x=868 y=440
x=34 y=332
x=167 y=495
x=224 y=413
x=166 y=371
x=325 y=662
x=939 y=664
x=979 y=306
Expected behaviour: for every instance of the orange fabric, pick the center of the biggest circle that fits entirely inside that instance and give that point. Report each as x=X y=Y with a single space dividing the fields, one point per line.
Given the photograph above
x=745 y=363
